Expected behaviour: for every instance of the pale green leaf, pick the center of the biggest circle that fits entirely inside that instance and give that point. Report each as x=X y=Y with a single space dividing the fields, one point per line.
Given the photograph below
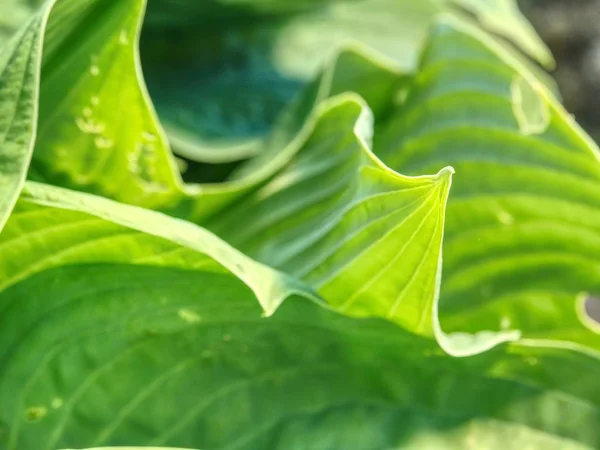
x=95 y=125
x=15 y=14
x=20 y=61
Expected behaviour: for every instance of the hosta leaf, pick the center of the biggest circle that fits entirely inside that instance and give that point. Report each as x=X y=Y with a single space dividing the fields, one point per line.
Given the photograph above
x=200 y=126
x=505 y=18
x=332 y=207
x=245 y=60
x=367 y=239
x=336 y=136
x=364 y=209
x=13 y=15
x=522 y=235
x=20 y=59
x=270 y=287
x=95 y=126
x=132 y=339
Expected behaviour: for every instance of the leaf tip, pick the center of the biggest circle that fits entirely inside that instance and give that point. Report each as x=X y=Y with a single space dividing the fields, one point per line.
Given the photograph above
x=444 y=178
x=446 y=173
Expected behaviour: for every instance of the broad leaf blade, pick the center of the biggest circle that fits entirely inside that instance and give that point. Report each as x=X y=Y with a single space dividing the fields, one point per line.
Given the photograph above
x=367 y=239
x=191 y=353
x=523 y=223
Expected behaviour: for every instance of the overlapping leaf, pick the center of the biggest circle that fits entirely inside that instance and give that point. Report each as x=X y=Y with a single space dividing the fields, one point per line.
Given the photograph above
x=250 y=58
x=359 y=209
x=523 y=226
x=198 y=367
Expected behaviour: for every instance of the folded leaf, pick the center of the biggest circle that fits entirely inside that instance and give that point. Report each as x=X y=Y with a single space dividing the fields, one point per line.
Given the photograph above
x=139 y=339
x=522 y=236
x=367 y=239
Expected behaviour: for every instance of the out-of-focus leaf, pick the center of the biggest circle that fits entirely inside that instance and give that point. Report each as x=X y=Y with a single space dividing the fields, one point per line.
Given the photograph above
x=244 y=61
x=505 y=18
x=20 y=60
x=15 y=14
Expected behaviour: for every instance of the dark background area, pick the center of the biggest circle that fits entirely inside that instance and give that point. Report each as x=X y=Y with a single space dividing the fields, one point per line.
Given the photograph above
x=571 y=28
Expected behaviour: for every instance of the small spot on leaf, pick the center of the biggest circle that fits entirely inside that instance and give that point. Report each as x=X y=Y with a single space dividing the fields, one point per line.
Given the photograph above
x=189 y=316
x=505 y=218
x=103 y=143
x=123 y=37
x=182 y=165
x=148 y=136
x=35 y=413
x=57 y=403
x=89 y=126
x=531 y=360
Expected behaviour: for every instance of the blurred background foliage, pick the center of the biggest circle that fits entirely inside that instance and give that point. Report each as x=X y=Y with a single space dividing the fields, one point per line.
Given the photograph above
x=571 y=28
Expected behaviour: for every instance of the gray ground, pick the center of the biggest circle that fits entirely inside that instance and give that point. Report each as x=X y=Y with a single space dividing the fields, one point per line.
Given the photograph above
x=572 y=30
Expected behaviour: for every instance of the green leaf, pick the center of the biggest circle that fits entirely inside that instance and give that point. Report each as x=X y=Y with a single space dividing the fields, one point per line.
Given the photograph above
x=505 y=18
x=245 y=60
x=91 y=101
x=270 y=35
x=15 y=14
x=198 y=367
x=124 y=326
x=20 y=61
x=363 y=210
x=83 y=100
x=367 y=239
x=522 y=234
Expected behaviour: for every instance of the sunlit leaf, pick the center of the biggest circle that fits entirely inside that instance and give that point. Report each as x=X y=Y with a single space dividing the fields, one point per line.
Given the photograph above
x=522 y=236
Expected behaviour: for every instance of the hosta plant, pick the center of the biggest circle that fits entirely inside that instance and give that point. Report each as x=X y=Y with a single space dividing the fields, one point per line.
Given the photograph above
x=387 y=236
